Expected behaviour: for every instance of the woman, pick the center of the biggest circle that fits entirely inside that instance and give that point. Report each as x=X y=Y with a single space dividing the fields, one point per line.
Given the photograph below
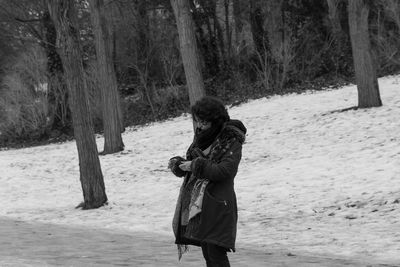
x=206 y=210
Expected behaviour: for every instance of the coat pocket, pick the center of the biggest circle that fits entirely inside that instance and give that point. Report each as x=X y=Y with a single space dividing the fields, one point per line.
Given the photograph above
x=220 y=204
x=216 y=219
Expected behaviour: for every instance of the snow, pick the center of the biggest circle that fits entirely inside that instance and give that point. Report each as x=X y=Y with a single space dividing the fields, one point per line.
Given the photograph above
x=311 y=180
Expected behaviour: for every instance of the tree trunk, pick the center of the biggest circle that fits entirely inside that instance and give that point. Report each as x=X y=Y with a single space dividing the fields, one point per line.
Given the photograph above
x=189 y=50
x=106 y=79
x=60 y=114
x=228 y=29
x=242 y=36
x=208 y=44
x=65 y=20
x=257 y=18
x=364 y=65
x=340 y=44
x=237 y=21
x=143 y=29
x=112 y=13
x=216 y=12
x=220 y=36
x=334 y=18
x=275 y=27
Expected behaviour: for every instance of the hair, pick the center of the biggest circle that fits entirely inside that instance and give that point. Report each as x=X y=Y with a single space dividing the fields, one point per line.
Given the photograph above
x=210 y=109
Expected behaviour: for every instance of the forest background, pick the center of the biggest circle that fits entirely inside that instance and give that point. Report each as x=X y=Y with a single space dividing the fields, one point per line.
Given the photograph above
x=247 y=49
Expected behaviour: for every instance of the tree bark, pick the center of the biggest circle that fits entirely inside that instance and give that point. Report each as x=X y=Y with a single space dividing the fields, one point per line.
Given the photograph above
x=364 y=65
x=60 y=114
x=228 y=29
x=216 y=13
x=275 y=27
x=143 y=29
x=189 y=50
x=112 y=13
x=106 y=79
x=257 y=18
x=238 y=22
x=242 y=34
x=334 y=18
x=65 y=20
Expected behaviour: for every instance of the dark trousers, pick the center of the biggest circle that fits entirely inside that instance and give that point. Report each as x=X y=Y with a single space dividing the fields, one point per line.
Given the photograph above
x=214 y=255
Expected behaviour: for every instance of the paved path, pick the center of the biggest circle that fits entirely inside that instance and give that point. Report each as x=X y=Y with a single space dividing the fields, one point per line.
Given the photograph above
x=36 y=244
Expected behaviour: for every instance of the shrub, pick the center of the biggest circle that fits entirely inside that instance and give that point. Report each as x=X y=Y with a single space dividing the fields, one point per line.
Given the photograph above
x=24 y=110
x=23 y=99
x=167 y=102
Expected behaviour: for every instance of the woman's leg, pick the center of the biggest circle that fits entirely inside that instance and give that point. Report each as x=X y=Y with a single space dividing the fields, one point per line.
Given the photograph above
x=204 y=248
x=214 y=255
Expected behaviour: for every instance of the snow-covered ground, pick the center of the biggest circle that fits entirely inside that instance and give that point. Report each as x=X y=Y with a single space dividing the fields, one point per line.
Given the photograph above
x=310 y=180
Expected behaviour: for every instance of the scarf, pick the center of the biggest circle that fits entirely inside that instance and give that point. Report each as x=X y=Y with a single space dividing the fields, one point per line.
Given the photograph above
x=203 y=139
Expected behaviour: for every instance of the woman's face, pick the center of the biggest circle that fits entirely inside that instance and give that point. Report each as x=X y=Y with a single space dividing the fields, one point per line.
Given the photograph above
x=201 y=125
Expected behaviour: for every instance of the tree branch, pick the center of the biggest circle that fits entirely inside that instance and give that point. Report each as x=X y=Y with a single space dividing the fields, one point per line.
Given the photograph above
x=27 y=20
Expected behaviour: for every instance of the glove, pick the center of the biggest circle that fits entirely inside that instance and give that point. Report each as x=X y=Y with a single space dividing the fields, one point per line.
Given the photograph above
x=173 y=165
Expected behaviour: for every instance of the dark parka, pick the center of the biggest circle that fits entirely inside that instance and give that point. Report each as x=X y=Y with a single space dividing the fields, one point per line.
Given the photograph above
x=217 y=222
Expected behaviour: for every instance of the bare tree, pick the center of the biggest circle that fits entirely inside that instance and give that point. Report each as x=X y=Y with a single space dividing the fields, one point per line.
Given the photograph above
x=364 y=65
x=189 y=50
x=58 y=96
x=333 y=6
x=106 y=79
x=338 y=38
x=257 y=18
x=64 y=16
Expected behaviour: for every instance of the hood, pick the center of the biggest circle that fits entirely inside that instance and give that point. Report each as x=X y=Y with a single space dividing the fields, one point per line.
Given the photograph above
x=234 y=129
x=237 y=124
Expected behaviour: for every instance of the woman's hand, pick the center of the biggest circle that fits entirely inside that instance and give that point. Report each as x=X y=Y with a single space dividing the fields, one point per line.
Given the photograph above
x=172 y=162
x=185 y=166
x=173 y=165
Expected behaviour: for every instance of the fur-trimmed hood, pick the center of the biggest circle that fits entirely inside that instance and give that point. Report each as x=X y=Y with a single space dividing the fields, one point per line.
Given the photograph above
x=233 y=129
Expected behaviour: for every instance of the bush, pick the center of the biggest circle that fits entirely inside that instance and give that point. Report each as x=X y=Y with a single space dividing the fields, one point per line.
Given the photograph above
x=24 y=111
x=23 y=99
x=167 y=102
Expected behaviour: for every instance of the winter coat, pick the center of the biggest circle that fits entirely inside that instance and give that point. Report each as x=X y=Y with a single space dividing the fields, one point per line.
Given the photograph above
x=217 y=222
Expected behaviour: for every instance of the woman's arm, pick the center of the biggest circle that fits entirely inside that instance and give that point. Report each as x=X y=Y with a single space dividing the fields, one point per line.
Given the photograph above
x=217 y=172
